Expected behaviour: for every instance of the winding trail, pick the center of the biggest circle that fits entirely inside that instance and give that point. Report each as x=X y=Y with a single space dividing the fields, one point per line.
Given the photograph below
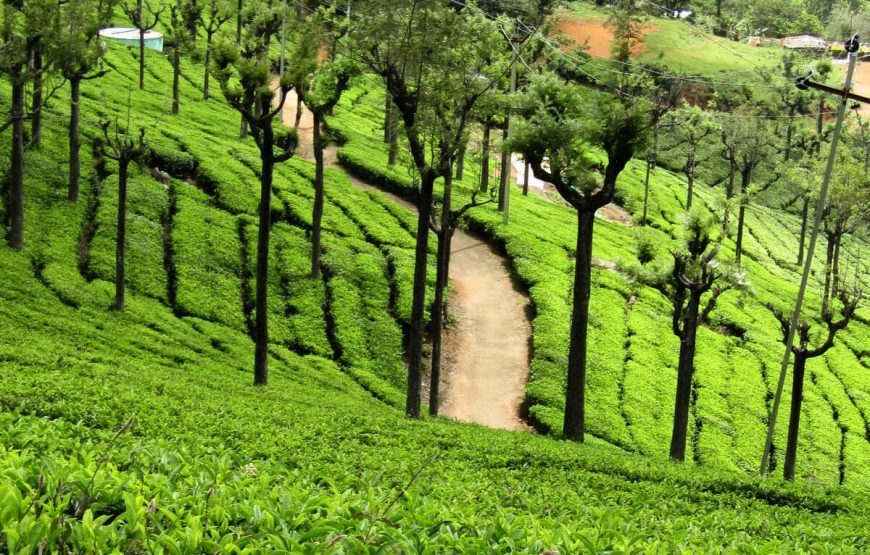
x=487 y=352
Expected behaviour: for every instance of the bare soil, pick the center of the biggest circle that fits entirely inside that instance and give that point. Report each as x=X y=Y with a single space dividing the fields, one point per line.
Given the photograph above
x=861 y=84
x=617 y=214
x=486 y=353
x=595 y=35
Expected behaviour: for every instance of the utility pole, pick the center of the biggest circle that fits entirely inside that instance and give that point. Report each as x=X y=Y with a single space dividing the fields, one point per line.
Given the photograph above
x=852 y=47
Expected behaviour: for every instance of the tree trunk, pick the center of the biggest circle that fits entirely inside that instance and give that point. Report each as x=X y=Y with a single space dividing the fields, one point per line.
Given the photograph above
x=388 y=118
x=120 y=277
x=484 y=159
x=575 y=397
x=36 y=120
x=16 y=171
x=243 y=130
x=141 y=58
x=239 y=24
x=789 y=131
x=176 y=74
x=394 y=139
x=646 y=191
x=835 y=286
x=526 y=179
x=794 y=419
x=690 y=178
x=740 y=220
x=746 y=180
x=317 y=215
x=261 y=326
x=504 y=178
x=205 y=79
x=729 y=188
x=74 y=141
x=460 y=163
x=418 y=303
x=685 y=370
x=300 y=107
x=804 y=216
x=441 y=279
x=829 y=265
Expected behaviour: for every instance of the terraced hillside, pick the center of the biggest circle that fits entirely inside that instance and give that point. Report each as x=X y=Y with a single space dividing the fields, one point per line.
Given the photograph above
x=632 y=371
x=139 y=431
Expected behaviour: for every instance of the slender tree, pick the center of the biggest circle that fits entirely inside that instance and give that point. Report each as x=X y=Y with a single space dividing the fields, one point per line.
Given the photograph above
x=182 y=15
x=432 y=59
x=692 y=126
x=444 y=228
x=847 y=210
x=80 y=58
x=22 y=24
x=213 y=19
x=802 y=353
x=563 y=128
x=135 y=10
x=244 y=74
x=319 y=84
x=747 y=142
x=693 y=283
x=119 y=145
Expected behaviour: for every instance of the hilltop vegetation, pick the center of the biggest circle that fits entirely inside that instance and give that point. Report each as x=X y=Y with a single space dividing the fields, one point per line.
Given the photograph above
x=140 y=432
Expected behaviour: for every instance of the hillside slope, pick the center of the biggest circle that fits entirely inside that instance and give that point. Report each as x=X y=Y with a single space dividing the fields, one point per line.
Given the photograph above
x=632 y=371
x=319 y=461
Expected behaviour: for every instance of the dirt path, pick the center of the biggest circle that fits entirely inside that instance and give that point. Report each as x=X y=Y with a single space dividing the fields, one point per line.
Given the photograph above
x=486 y=354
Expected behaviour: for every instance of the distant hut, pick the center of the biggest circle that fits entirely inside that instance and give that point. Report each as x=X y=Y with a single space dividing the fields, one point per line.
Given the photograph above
x=805 y=42
x=130 y=37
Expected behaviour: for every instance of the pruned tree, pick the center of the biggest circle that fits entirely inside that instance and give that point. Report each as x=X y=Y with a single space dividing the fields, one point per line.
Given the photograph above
x=319 y=84
x=123 y=147
x=245 y=78
x=183 y=15
x=746 y=141
x=433 y=61
x=561 y=129
x=802 y=353
x=444 y=228
x=135 y=10
x=218 y=13
x=691 y=126
x=848 y=209
x=694 y=282
x=79 y=58
x=23 y=24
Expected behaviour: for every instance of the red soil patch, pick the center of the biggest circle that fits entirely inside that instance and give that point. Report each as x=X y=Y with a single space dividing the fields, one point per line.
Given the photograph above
x=596 y=36
x=861 y=83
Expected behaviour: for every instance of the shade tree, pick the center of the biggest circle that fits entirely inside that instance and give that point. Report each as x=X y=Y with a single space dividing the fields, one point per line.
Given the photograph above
x=693 y=281
x=245 y=76
x=433 y=61
x=144 y=17
x=79 y=58
x=562 y=135
x=122 y=146
x=804 y=351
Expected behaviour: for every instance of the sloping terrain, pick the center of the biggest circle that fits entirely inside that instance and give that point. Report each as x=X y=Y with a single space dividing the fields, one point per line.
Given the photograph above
x=632 y=372
x=321 y=461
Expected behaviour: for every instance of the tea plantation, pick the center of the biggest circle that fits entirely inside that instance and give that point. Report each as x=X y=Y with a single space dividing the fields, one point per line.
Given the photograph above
x=139 y=431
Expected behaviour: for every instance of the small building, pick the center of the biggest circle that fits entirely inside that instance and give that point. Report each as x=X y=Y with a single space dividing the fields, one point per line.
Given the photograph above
x=805 y=42
x=130 y=37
